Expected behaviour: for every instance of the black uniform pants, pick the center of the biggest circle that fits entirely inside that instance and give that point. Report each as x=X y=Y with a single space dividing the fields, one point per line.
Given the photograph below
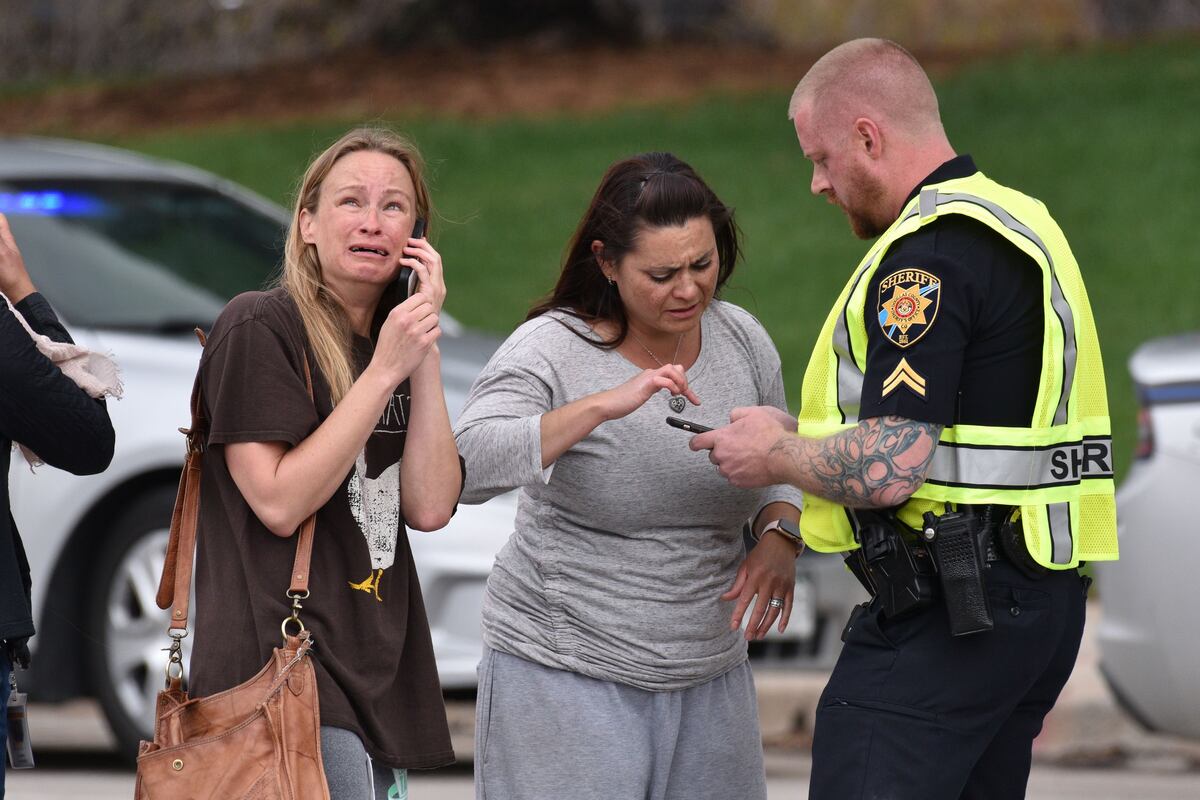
x=6 y=668
x=913 y=713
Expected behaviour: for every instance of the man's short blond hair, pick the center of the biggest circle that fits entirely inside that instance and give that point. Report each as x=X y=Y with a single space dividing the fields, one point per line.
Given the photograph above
x=874 y=78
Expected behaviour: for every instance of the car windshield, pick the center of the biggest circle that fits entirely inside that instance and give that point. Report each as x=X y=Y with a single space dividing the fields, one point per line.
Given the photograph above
x=138 y=255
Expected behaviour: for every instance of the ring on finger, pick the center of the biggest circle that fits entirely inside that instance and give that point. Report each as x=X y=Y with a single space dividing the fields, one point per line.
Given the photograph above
x=775 y=602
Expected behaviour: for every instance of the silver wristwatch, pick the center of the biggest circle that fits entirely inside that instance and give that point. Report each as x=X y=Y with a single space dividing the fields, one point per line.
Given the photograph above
x=787 y=529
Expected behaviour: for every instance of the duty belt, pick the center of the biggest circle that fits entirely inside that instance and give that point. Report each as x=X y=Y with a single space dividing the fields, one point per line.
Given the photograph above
x=908 y=570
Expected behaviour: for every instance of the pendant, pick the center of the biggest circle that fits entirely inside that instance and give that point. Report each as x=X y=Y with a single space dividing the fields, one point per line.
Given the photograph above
x=677 y=403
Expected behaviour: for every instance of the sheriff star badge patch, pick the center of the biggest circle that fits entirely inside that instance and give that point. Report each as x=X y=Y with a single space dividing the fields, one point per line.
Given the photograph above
x=908 y=306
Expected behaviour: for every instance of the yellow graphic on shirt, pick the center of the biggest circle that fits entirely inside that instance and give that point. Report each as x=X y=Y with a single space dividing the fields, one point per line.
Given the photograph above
x=903 y=375
x=371 y=584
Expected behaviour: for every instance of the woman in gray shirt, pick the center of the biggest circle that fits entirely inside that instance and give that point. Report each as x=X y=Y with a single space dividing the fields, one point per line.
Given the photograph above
x=614 y=663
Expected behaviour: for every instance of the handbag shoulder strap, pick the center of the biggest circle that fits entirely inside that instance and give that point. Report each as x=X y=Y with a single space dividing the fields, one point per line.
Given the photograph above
x=175 y=585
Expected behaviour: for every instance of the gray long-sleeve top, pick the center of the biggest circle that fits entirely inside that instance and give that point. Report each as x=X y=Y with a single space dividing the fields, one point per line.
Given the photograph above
x=624 y=545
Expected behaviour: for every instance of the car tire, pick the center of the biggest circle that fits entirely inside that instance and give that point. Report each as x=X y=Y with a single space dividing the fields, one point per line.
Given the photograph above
x=125 y=653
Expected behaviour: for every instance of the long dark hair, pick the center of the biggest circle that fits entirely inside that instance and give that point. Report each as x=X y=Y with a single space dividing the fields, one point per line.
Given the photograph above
x=650 y=190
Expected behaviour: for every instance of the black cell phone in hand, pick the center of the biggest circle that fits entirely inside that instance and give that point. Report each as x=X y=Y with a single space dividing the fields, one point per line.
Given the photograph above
x=684 y=425
x=406 y=281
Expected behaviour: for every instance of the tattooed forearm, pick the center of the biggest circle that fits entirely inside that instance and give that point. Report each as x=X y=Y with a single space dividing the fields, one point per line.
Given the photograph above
x=878 y=464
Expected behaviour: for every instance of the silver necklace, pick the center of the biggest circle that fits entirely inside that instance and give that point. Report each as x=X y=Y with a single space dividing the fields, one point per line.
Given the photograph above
x=677 y=402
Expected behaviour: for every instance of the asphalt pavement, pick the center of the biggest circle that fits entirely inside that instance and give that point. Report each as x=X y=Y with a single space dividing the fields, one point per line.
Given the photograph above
x=70 y=776
x=1088 y=749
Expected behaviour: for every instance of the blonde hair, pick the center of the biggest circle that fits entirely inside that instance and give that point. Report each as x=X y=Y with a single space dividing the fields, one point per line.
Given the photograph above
x=325 y=322
x=870 y=77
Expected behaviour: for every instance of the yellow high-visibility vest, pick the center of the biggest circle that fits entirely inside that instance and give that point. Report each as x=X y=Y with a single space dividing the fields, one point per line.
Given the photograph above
x=1059 y=469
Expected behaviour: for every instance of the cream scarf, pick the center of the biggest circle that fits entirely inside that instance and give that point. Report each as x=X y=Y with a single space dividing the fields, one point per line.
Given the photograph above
x=95 y=373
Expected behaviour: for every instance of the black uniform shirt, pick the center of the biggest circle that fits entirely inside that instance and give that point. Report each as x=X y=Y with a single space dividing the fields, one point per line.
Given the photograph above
x=958 y=335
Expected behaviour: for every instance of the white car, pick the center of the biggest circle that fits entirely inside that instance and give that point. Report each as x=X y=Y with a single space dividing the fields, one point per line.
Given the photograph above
x=1150 y=653
x=134 y=253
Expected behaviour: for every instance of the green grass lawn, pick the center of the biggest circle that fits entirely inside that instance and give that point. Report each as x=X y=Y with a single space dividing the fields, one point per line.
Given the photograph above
x=1110 y=140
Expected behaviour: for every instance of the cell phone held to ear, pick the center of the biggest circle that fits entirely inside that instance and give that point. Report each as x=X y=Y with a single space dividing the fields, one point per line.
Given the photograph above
x=406 y=281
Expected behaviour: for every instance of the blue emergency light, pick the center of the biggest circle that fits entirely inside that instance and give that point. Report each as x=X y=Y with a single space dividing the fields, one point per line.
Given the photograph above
x=49 y=204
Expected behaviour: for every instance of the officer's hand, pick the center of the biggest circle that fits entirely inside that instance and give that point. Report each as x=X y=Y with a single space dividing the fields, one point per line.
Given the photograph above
x=768 y=571
x=785 y=420
x=740 y=448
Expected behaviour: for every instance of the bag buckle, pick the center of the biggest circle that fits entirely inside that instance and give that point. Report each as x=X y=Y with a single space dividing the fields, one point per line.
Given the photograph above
x=175 y=656
x=195 y=444
x=295 y=615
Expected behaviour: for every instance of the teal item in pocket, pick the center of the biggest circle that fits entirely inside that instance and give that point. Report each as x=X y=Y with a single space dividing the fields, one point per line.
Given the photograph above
x=399 y=789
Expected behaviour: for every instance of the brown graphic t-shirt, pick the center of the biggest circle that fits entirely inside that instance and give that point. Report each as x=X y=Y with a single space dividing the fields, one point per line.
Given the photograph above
x=374 y=658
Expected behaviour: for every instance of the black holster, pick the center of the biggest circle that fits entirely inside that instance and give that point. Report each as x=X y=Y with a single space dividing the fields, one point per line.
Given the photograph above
x=958 y=541
x=1011 y=536
x=891 y=564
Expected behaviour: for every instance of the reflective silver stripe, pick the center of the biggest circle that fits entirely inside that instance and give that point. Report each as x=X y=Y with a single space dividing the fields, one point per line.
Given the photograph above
x=1058 y=519
x=850 y=382
x=849 y=376
x=1067 y=319
x=1020 y=468
x=928 y=202
x=1057 y=300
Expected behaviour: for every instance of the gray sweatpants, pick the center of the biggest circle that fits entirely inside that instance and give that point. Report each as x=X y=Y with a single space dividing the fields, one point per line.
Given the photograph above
x=352 y=775
x=548 y=734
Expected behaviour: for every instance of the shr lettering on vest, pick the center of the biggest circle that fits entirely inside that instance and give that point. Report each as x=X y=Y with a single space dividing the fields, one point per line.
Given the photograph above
x=1089 y=460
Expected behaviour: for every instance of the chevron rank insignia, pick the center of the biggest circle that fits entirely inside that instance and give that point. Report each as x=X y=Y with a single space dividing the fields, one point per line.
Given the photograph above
x=908 y=304
x=903 y=375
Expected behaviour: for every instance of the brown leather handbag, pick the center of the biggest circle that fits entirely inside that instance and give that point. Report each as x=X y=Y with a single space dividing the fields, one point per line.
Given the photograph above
x=257 y=741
